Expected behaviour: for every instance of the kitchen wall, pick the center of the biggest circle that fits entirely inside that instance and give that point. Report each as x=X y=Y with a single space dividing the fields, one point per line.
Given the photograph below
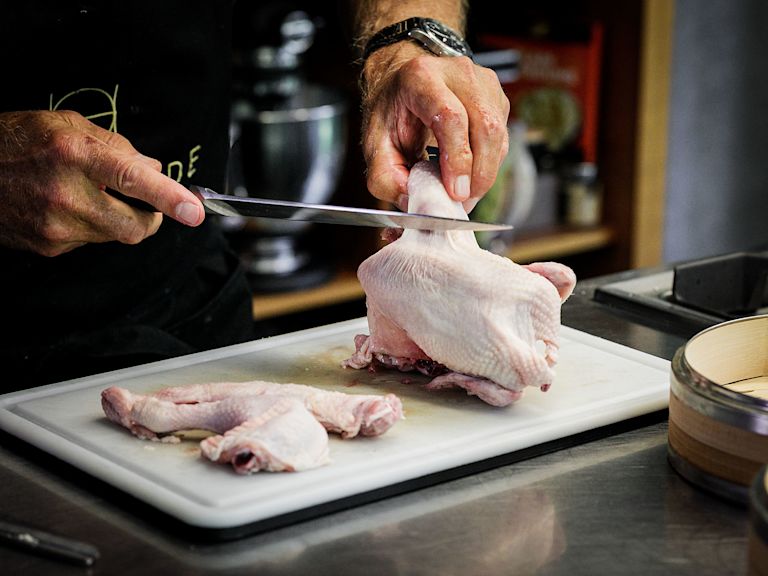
x=717 y=172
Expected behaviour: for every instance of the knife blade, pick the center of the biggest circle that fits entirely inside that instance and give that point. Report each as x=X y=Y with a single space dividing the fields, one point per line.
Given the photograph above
x=226 y=205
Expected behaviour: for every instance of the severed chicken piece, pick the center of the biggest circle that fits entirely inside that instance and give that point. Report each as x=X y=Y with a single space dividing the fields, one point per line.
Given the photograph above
x=283 y=437
x=440 y=304
x=345 y=414
x=273 y=433
x=261 y=425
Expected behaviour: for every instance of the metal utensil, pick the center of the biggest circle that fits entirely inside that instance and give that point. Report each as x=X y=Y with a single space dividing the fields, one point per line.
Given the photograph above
x=225 y=205
x=45 y=543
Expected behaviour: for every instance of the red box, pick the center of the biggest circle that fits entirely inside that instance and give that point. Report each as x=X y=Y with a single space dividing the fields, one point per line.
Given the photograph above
x=558 y=87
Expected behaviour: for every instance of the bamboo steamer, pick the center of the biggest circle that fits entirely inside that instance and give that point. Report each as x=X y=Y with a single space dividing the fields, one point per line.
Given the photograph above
x=718 y=407
x=758 y=525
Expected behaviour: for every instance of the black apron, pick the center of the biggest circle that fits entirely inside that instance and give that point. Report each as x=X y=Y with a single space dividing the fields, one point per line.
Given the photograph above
x=157 y=73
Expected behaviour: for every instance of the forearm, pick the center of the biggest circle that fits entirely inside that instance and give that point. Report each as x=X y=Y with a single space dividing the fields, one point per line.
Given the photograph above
x=370 y=16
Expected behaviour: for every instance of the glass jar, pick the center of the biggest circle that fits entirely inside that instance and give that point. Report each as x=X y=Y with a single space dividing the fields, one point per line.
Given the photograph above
x=583 y=195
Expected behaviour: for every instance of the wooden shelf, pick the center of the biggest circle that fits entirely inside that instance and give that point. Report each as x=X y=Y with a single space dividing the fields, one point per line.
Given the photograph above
x=345 y=287
x=559 y=242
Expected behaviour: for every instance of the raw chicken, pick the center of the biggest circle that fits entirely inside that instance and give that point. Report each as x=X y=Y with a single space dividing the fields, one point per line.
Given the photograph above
x=346 y=414
x=439 y=304
x=282 y=437
x=261 y=425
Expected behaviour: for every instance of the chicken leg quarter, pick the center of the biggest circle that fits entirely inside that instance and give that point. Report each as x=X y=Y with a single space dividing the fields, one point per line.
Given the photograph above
x=440 y=304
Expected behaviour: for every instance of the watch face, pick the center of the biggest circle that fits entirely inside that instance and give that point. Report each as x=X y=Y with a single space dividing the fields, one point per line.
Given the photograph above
x=446 y=36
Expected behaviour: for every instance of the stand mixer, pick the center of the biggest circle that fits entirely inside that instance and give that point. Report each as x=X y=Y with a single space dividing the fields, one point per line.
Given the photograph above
x=288 y=142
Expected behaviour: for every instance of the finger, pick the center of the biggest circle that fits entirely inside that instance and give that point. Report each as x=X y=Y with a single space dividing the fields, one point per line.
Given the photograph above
x=112 y=139
x=119 y=142
x=487 y=109
x=71 y=246
x=116 y=220
x=472 y=128
x=444 y=114
x=386 y=167
x=97 y=216
x=126 y=228
x=58 y=249
x=135 y=177
x=92 y=216
x=450 y=127
x=488 y=135
x=387 y=180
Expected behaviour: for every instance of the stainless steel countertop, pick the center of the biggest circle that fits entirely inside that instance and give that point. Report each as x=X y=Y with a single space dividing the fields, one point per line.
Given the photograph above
x=611 y=505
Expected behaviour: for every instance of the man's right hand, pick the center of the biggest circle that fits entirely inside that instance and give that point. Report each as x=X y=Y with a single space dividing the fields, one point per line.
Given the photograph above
x=54 y=170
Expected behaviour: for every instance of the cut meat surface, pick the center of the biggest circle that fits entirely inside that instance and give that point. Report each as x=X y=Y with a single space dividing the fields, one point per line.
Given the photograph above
x=440 y=304
x=260 y=425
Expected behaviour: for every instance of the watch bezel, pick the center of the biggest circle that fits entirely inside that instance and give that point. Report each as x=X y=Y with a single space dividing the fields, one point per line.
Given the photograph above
x=431 y=34
x=436 y=45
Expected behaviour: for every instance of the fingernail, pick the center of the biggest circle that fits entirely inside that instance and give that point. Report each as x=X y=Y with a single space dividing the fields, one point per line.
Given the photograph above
x=461 y=188
x=188 y=213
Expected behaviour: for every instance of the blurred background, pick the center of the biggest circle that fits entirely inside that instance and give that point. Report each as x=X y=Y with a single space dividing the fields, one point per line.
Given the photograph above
x=638 y=133
x=717 y=176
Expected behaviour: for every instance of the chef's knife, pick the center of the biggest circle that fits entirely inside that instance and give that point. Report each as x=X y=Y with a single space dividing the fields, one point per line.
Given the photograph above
x=225 y=205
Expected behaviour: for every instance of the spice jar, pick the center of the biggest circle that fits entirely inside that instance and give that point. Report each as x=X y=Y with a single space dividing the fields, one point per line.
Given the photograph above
x=583 y=195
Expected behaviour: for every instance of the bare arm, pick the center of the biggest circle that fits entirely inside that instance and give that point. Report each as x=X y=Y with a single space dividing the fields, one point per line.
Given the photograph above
x=370 y=16
x=412 y=99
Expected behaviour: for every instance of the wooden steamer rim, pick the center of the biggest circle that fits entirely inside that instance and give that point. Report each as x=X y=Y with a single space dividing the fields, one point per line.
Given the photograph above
x=718 y=409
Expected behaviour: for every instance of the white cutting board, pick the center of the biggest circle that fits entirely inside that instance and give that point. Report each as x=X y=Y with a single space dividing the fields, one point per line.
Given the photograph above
x=598 y=382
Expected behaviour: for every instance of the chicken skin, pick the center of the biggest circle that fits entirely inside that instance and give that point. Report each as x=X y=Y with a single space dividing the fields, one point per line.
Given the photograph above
x=440 y=304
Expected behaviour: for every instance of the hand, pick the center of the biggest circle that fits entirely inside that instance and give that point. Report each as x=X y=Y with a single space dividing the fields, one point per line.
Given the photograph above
x=54 y=169
x=413 y=99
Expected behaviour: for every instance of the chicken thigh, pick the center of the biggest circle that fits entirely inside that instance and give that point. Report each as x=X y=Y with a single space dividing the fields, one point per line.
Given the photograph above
x=440 y=304
x=346 y=414
x=266 y=432
x=259 y=425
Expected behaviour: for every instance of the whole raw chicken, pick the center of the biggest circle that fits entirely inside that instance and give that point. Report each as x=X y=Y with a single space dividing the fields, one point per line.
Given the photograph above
x=440 y=304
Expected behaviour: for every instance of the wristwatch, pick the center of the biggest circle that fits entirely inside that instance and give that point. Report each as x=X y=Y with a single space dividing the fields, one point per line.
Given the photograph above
x=429 y=33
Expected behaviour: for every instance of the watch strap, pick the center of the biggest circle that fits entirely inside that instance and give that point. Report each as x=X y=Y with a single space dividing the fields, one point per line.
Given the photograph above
x=402 y=31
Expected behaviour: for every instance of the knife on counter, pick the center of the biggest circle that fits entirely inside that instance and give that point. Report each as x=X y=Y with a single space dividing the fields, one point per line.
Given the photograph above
x=44 y=543
x=226 y=205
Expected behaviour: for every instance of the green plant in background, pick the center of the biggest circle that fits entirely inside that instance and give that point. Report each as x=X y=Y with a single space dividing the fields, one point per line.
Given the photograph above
x=491 y=206
x=511 y=197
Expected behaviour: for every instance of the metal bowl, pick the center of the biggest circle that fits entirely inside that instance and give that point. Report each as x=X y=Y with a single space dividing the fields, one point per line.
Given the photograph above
x=289 y=149
x=718 y=409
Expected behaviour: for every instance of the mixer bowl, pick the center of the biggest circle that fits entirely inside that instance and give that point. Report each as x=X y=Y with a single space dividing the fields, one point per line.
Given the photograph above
x=289 y=149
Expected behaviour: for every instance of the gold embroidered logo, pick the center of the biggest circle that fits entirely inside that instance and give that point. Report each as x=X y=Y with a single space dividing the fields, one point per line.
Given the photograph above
x=106 y=116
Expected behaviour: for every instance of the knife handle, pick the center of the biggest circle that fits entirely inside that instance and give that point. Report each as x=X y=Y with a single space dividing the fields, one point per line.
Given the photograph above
x=45 y=543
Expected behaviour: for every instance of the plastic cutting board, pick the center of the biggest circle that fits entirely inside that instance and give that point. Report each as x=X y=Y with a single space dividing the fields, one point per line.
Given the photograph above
x=598 y=383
